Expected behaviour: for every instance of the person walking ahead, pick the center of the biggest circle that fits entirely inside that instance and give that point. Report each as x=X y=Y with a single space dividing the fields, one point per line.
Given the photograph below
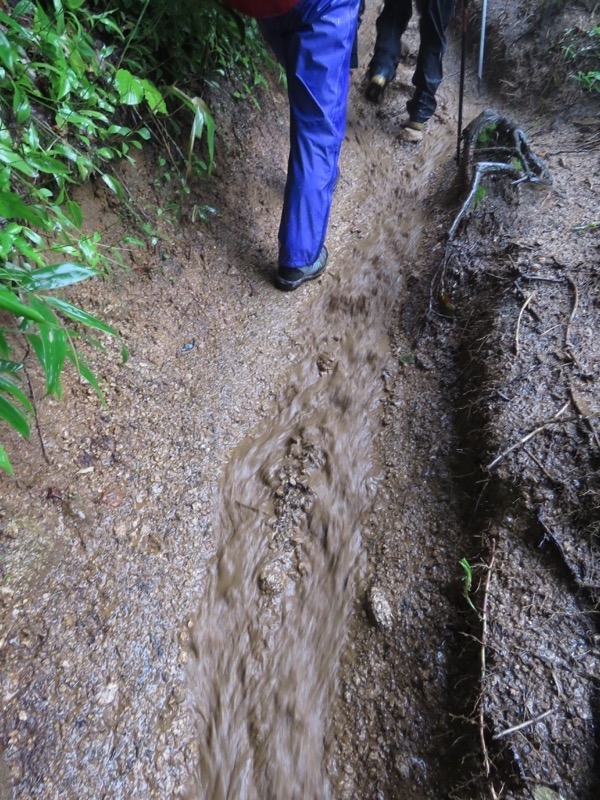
x=391 y=24
x=313 y=40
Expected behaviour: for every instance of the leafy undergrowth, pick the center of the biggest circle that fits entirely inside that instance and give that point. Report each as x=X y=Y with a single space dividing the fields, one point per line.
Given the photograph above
x=76 y=100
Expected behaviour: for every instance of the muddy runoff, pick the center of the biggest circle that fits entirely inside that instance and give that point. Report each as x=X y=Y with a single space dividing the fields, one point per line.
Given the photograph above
x=269 y=634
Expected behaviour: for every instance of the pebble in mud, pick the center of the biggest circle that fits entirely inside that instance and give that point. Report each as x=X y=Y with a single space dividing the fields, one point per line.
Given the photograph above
x=403 y=768
x=379 y=609
x=272 y=580
x=325 y=362
x=108 y=694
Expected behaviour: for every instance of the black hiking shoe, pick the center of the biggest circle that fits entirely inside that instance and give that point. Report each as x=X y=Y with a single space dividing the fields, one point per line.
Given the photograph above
x=376 y=88
x=290 y=278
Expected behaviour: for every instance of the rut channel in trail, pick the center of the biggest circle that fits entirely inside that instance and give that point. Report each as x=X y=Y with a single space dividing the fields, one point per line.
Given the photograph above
x=266 y=644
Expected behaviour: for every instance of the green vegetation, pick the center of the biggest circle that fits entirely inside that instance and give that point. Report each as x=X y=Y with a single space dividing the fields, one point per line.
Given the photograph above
x=82 y=85
x=467 y=581
x=582 y=51
x=487 y=136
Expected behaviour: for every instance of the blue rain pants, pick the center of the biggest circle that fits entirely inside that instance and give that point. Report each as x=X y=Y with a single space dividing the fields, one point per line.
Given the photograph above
x=435 y=16
x=313 y=42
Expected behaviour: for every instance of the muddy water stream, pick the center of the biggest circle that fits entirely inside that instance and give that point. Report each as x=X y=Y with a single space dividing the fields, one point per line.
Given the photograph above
x=267 y=641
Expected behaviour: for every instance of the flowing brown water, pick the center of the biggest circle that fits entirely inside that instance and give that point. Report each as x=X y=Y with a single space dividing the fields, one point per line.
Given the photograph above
x=269 y=634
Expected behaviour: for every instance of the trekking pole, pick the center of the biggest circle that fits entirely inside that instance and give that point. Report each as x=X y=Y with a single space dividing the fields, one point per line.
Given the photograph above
x=482 y=44
x=463 y=61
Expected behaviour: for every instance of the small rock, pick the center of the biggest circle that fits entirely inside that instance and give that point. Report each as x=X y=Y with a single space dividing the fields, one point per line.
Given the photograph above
x=403 y=770
x=113 y=496
x=107 y=694
x=379 y=608
x=545 y=793
x=272 y=580
x=325 y=362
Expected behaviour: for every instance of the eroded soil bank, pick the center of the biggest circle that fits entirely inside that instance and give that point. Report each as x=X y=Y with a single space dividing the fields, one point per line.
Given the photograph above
x=242 y=579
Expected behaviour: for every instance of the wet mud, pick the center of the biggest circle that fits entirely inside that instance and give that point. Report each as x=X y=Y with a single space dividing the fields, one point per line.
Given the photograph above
x=241 y=580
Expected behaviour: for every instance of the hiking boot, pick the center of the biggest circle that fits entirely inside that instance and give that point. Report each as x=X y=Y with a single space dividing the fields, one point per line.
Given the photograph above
x=413 y=132
x=290 y=278
x=376 y=88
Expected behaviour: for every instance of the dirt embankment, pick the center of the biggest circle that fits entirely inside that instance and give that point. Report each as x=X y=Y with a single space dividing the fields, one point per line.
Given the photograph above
x=496 y=340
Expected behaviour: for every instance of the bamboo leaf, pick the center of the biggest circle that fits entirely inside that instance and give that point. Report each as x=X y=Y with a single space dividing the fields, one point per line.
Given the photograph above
x=14 y=416
x=12 y=207
x=50 y=348
x=75 y=212
x=55 y=276
x=4 y=462
x=54 y=343
x=6 y=385
x=47 y=164
x=21 y=107
x=28 y=251
x=78 y=314
x=86 y=373
x=114 y=185
x=10 y=366
x=10 y=302
x=16 y=160
x=6 y=52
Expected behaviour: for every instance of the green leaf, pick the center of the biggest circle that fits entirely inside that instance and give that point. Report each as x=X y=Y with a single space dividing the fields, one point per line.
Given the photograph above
x=16 y=160
x=78 y=314
x=130 y=88
x=153 y=97
x=4 y=462
x=10 y=366
x=65 y=149
x=9 y=387
x=7 y=52
x=86 y=373
x=114 y=185
x=12 y=207
x=14 y=416
x=49 y=316
x=54 y=343
x=75 y=212
x=120 y=129
x=56 y=276
x=28 y=251
x=19 y=29
x=47 y=164
x=105 y=152
x=202 y=117
x=7 y=242
x=32 y=137
x=10 y=302
x=21 y=107
x=5 y=135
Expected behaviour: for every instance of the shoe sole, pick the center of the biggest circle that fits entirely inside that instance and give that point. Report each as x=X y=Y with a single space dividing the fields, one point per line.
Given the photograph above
x=289 y=286
x=414 y=137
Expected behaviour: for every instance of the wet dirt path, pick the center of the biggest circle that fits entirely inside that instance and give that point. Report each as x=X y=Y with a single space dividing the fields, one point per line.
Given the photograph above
x=228 y=521
x=298 y=493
